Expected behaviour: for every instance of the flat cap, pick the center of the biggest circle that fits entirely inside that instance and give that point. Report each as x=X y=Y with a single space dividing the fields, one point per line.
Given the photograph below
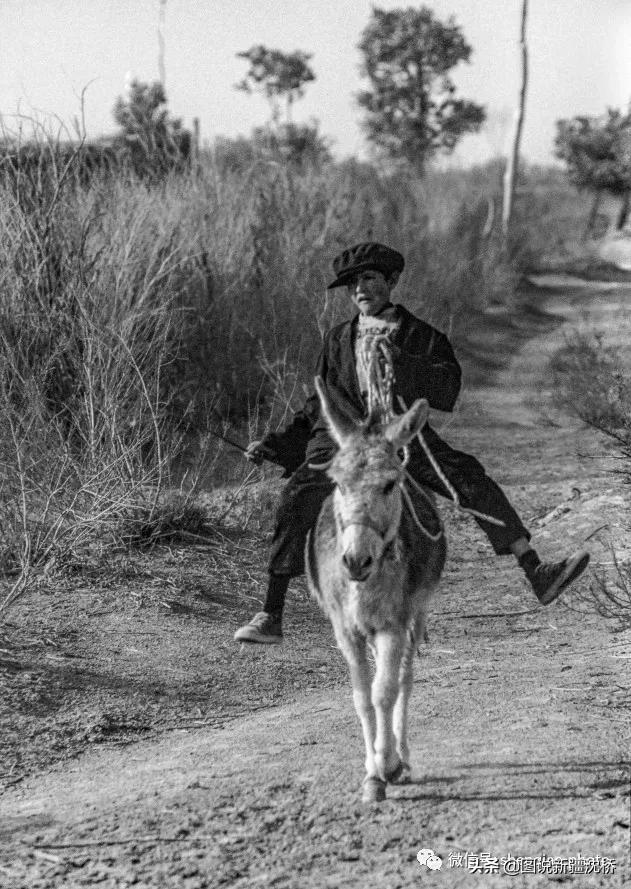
x=368 y=255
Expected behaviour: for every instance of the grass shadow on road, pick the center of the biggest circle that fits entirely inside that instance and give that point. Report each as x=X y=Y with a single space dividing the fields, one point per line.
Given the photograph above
x=528 y=780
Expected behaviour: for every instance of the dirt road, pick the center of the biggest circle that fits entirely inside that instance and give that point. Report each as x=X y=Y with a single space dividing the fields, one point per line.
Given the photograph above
x=520 y=722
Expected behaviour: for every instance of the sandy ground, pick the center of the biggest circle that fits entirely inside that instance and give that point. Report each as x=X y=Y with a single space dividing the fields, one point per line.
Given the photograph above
x=520 y=719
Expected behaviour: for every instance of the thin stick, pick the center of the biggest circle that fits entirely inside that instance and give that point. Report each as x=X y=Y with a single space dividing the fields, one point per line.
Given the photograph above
x=84 y=844
x=486 y=614
x=229 y=441
x=601 y=528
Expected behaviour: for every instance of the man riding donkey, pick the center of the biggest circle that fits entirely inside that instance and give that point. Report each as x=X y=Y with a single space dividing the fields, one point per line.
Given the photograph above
x=418 y=362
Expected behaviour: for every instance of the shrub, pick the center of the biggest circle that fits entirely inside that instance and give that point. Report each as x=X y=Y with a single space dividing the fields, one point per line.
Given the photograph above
x=152 y=141
x=91 y=334
x=549 y=222
x=611 y=596
x=594 y=384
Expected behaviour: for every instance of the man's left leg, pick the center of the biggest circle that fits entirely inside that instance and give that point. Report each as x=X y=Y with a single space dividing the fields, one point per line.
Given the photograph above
x=476 y=490
x=298 y=511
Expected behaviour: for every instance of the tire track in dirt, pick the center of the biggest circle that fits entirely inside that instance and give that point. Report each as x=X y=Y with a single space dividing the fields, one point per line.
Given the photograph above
x=519 y=722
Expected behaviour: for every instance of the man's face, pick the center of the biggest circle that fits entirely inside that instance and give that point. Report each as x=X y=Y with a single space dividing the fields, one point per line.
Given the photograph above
x=370 y=291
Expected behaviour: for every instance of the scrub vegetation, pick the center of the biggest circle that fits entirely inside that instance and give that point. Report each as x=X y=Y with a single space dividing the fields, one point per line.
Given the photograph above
x=162 y=303
x=139 y=315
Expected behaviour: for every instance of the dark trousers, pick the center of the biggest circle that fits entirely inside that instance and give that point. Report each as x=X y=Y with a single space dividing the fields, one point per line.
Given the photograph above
x=308 y=488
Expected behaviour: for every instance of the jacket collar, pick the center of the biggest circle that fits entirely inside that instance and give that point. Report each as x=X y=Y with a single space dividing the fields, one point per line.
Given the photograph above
x=399 y=335
x=347 y=339
x=347 y=359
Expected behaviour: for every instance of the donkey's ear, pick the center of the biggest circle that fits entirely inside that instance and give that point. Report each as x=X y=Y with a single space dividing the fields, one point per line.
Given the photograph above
x=339 y=426
x=402 y=429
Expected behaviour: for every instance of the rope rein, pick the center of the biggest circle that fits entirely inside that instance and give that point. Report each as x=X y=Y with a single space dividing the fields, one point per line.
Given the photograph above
x=375 y=361
x=419 y=524
x=452 y=493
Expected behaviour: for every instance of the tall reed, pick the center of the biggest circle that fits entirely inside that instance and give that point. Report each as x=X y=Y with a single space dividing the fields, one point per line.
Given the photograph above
x=132 y=317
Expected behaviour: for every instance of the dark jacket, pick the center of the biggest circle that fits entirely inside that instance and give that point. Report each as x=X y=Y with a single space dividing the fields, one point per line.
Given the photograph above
x=424 y=367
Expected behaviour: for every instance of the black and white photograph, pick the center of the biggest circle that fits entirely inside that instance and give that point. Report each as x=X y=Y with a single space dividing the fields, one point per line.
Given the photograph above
x=315 y=444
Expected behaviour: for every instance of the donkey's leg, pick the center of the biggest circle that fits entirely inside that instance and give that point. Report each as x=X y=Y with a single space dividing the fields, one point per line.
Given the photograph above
x=353 y=648
x=389 y=647
x=400 y=716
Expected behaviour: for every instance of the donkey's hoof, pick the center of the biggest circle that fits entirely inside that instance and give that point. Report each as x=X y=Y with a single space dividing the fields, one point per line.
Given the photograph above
x=374 y=790
x=401 y=774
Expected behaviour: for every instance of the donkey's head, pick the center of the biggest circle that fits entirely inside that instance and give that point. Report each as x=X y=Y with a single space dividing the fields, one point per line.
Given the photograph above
x=367 y=473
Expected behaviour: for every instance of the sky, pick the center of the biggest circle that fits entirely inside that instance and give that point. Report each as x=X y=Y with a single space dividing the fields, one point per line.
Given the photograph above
x=52 y=51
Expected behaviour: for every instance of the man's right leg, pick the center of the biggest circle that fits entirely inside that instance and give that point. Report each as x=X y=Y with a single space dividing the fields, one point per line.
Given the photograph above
x=478 y=491
x=297 y=513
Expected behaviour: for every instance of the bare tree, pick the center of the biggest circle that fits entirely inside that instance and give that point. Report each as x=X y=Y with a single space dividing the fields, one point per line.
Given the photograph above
x=161 y=22
x=512 y=162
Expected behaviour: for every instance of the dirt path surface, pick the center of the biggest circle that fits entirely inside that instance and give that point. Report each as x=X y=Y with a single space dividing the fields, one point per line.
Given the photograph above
x=520 y=717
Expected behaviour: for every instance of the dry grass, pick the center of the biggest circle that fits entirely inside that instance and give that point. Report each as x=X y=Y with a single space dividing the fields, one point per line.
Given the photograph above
x=135 y=320
x=550 y=223
x=593 y=382
x=611 y=596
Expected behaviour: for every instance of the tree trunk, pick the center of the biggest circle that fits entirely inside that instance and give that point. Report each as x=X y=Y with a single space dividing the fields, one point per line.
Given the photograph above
x=195 y=145
x=593 y=213
x=161 y=21
x=512 y=163
x=623 y=215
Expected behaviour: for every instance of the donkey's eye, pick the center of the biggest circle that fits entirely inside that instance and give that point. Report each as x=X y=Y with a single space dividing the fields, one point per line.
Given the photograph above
x=389 y=488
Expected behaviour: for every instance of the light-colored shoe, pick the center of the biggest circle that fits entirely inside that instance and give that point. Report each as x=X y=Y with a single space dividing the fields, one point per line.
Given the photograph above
x=264 y=628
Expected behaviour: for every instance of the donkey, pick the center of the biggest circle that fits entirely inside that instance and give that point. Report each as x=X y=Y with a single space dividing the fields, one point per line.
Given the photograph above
x=372 y=561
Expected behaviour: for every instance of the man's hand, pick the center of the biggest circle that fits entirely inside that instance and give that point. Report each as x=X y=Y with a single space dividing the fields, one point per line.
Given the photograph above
x=256 y=452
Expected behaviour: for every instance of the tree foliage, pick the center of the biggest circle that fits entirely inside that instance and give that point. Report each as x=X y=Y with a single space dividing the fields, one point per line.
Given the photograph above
x=597 y=151
x=296 y=145
x=411 y=106
x=277 y=75
x=155 y=141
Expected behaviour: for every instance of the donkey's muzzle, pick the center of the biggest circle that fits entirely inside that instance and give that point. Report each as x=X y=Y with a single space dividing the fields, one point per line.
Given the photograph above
x=357 y=567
